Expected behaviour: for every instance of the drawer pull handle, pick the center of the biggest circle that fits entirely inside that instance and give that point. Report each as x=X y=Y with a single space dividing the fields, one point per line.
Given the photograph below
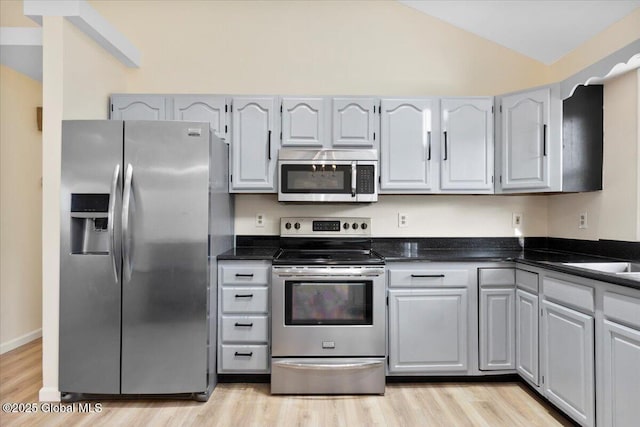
x=244 y=354
x=244 y=296
x=244 y=275
x=246 y=325
x=427 y=275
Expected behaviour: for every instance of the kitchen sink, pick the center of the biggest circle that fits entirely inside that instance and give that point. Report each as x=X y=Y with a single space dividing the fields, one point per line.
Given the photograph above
x=628 y=270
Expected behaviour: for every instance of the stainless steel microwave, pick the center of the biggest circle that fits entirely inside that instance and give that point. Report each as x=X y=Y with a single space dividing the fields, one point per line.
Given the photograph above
x=306 y=175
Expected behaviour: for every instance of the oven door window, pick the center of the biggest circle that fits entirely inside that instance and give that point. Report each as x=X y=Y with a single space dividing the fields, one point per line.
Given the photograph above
x=328 y=303
x=329 y=179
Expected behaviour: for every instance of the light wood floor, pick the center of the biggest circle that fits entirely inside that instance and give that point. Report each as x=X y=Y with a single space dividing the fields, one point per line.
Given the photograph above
x=239 y=405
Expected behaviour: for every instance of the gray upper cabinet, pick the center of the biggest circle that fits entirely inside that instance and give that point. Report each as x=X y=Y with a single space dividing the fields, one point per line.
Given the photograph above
x=138 y=107
x=466 y=154
x=354 y=122
x=530 y=144
x=408 y=155
x=254 y=145
x=303 y=122
x=202 y=108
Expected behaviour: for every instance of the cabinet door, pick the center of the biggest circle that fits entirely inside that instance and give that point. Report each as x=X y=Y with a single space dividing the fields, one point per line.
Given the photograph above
x=427 y=330
x=254 y=147
x=621 y=375
x=497 y=332
x=202 y=108
x=138 y=107
x=407 y=155
x=525 y=137
x=568 y=360
x=303 y=122
x=354 y=122
x=527 y=336
x=467 y=145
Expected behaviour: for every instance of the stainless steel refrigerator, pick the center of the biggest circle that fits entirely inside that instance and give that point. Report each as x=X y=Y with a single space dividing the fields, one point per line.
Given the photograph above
x=144 y=207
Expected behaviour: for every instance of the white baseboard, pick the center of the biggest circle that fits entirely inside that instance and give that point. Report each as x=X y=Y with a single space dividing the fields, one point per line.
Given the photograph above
x=49 y=394
x=17 y=342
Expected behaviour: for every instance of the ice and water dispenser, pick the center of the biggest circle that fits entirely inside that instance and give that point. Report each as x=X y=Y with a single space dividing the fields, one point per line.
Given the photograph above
x=89 y=224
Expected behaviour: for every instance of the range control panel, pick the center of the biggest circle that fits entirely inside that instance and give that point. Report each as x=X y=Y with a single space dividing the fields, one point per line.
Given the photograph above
x=326 y=226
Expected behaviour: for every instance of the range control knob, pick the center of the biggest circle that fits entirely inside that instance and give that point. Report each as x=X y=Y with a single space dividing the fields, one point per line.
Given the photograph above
x=345 y=225
x=288 y=226
x=354 y=225
x=297 y=226
x=364 y=226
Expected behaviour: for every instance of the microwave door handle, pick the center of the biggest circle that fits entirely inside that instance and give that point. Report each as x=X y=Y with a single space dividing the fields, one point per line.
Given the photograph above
x=353 y=179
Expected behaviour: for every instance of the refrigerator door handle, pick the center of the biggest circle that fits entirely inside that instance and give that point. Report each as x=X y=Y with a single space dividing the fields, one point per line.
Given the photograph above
x=111 y=221
x=126 y=204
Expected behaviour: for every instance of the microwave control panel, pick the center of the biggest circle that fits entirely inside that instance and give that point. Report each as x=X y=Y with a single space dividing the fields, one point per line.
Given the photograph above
x=365 y=179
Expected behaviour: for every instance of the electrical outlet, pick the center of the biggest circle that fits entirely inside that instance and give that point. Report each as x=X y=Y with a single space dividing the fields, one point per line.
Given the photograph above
x=259 y=220
x=403 y=220
x=582 y=222
x=516 y=220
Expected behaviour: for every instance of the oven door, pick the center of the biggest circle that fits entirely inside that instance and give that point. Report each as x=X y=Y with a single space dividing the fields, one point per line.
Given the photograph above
x=331 y=312
x=322 y=181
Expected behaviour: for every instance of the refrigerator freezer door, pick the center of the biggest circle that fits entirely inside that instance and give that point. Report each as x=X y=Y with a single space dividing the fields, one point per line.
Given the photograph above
x=90 y=257
x=165 y=271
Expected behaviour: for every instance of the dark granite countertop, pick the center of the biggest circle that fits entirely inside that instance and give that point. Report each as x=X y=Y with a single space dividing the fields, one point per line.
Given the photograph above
x=248 y=253
x=463 y=250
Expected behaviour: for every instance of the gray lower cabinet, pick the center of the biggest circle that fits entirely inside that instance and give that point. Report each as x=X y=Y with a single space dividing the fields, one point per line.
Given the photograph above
x=619 y=394
x=497 y=319
x=428 y=330
x=428 y=318
x=243 y=317
x=568 y=359
x=527 y=336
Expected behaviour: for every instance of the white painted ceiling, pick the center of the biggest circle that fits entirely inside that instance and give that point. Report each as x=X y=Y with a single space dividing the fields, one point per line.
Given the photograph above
x=543 y=30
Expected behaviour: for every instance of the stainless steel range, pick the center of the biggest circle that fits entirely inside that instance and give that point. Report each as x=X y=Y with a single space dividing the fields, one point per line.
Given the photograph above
x=328 y=309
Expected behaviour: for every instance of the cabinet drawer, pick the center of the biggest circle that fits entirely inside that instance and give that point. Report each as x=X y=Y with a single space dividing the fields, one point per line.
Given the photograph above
x=245 y=300
x=244 y=274
x=245 y=328
x=527 y=280
x=244 y=358
x=571 y=294
x=622 y=308
x=496 y=276
x=428 y=278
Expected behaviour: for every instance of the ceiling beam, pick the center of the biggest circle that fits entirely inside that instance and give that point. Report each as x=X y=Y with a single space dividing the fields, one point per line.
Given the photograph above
x=88 y=20
x=21 y=50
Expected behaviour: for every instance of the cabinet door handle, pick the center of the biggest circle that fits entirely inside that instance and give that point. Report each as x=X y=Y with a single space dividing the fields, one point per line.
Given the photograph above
x=244 y=295
x=269 y=144
x=244 y=274
x=544 y=140
x=429 y=146
x=249 y=354
x=427 y=275
x=245 y=325
x=445 y=145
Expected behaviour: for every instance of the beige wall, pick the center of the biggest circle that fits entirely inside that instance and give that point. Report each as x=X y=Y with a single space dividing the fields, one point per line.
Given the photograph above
x=428 y=216
x=310 y=47
x=11 y=14
x=20 y=209
x=613 y=213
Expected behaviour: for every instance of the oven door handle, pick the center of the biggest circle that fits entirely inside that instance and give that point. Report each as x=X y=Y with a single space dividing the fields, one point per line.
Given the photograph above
x=333 y=366
x=323 y=273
